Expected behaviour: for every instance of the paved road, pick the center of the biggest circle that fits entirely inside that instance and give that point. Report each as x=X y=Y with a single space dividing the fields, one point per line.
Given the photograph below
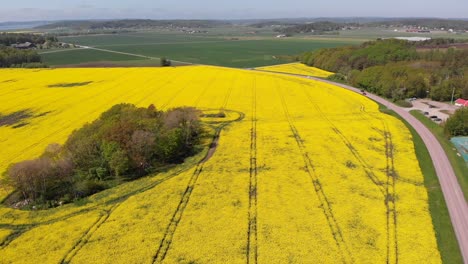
x=453 y=194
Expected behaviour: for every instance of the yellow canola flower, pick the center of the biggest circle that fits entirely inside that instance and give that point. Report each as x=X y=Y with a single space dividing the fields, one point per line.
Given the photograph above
x=304 y=177
x=297 y=68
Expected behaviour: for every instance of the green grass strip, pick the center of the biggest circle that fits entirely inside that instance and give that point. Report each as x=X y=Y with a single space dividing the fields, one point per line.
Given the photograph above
x=446 y=239
x=458 y=163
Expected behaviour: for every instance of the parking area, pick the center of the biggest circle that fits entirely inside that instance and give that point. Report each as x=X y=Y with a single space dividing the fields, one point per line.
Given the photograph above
x=438 y=110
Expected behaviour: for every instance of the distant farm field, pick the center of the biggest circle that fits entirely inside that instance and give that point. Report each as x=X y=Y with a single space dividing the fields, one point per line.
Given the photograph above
x=309 y=173
x=213 y=50
x=76 y=56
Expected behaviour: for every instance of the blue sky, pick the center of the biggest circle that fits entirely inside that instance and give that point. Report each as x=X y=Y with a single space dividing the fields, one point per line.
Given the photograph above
x=211 y=9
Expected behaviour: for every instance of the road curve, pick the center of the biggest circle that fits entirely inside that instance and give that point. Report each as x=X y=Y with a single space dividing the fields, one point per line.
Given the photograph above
x=456 y=203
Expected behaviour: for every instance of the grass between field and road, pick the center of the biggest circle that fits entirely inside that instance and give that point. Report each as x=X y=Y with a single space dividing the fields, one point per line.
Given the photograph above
x=446 y=239
x=458 y=163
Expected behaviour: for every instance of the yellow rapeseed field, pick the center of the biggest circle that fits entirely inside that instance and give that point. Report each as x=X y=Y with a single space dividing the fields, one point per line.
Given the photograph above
x=311 y=174
x=297 y=68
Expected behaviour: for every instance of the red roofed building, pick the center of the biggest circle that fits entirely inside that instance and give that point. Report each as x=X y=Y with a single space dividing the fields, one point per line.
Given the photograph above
x=461 y=102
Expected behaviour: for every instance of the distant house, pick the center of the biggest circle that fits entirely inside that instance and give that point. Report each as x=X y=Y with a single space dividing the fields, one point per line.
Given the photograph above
x=461 y=102
x=413 y=38
x=26 y=45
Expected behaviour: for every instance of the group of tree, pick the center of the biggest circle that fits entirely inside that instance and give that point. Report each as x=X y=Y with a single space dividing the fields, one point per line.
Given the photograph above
x=165 y=62
x=8 y=39
x=457 y=124
x=11 y=57
x=397 y=69
x=125 y=143
x=322 y=27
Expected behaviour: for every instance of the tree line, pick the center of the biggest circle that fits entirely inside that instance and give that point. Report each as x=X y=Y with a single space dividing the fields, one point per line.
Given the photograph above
x=398 y=69
x=11 y=57
x=125 y=143
x=322 y=27
x=8 y=39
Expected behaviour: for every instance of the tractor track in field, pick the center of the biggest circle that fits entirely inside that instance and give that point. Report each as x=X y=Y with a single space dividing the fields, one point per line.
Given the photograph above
x=166 y=241
x=85 y=237
x=252 y=241
x=17 y=231
x=367 y=169
x=174 y=96
x=213 y=80
x=448 y=181
x=159 y=88
x=387 y=189
x=88 y=234
x=20 y=229
x=324 y=201
x=390 y=199
x=228 y=94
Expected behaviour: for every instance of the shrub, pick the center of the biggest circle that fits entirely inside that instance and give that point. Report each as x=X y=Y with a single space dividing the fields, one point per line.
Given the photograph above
x=457 y=124
x=165 y=62
x=404 y=103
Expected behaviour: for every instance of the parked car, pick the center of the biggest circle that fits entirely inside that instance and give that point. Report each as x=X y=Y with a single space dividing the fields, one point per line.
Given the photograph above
x=426 y=113
x=433 y=116
x=437 y=120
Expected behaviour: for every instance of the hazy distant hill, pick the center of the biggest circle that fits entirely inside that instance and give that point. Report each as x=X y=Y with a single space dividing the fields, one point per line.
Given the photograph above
x=21 y=25
x=132 y=24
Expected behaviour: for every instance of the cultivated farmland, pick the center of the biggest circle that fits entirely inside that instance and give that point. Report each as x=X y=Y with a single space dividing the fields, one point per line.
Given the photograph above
x=217 y=49
x=306 y=173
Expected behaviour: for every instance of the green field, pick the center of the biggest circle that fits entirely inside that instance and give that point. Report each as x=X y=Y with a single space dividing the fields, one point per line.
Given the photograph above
x=77 y=56
x=213 y=48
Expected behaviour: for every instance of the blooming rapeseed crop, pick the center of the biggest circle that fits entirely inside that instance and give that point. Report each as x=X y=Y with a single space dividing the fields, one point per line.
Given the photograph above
x=311 y=174
x=297 y=68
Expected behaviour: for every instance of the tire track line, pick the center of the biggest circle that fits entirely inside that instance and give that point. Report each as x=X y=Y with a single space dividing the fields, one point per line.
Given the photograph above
x=176 y=217
x=390 y=199
x=367 y=169
x=166 y=241
x=325 y=204
x=88 y=234
x=252 y=242
x=387 y=190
